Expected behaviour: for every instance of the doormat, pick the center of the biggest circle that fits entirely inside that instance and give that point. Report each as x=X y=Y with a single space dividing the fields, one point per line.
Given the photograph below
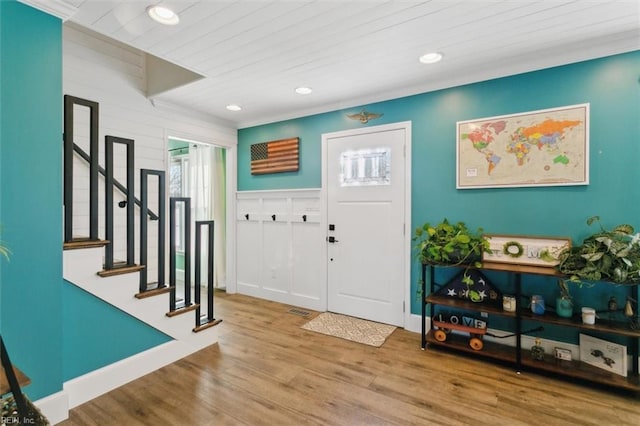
x=350 y=328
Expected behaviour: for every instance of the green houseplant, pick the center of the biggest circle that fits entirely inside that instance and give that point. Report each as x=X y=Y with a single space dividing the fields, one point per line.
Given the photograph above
x=608 y=255
x=450 y=244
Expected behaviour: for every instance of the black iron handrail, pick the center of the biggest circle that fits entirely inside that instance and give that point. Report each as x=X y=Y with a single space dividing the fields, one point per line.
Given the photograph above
x=117 y=184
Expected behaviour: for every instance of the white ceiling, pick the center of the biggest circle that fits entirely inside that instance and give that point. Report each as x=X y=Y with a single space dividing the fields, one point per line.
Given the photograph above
x=254 y=53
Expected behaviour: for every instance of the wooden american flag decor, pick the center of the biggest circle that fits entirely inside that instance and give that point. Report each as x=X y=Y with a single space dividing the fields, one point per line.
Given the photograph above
x=275 y=156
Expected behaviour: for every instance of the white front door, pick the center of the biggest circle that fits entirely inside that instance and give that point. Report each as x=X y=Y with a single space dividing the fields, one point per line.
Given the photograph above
x=366 y=245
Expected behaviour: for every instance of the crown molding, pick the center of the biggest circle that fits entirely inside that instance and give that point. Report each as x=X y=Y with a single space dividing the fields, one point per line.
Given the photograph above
x=58 y=8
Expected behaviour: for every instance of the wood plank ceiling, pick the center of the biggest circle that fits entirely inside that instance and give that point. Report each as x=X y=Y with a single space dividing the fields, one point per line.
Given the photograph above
x=254 y=53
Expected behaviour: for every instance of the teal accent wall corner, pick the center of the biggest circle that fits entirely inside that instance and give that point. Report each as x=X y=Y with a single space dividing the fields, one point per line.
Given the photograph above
x=31 y=193
x=610 y=85
x=97 y=334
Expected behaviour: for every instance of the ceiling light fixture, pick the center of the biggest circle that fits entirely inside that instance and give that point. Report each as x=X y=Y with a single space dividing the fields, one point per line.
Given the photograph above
x=163 y=15
x=431 y=58
x=234 y=107
x=303 y=90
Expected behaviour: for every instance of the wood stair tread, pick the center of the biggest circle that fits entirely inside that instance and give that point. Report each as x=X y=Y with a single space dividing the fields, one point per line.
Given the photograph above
x=83 y=243
x=206 y=325
x=153 y=292
x=121 y=271
x=183 y=310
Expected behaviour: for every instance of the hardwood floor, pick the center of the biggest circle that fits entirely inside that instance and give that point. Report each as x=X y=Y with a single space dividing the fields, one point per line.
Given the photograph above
x=266 y=370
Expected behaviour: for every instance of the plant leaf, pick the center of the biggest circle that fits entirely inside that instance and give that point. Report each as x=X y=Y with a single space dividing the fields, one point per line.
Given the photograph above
x=624 y=229
x=592 y=257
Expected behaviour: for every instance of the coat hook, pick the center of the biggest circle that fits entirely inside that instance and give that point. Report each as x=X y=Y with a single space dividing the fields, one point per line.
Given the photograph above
x=304 y=217
x=246 y=216
x=273 y=216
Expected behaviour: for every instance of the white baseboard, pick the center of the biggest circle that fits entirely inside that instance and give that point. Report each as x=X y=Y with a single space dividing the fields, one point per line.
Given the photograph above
x=54 y=407
x=103 y=380
x=414 y=323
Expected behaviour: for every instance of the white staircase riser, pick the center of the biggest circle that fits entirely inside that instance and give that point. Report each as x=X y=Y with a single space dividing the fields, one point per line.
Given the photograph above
x=81 y=267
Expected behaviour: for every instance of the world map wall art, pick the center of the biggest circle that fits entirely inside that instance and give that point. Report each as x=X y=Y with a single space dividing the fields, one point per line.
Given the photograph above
x=538 y=148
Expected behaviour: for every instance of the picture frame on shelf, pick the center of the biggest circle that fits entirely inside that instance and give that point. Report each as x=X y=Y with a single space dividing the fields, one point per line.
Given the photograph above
x=603 y=354
x=524 y=250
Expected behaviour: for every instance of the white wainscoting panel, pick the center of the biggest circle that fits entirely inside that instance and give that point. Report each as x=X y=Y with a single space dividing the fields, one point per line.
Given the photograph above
x=279 y=247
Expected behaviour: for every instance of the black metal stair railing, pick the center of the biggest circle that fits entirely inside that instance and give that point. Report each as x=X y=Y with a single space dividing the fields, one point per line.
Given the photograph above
x=175 y=306
x=186 y=221
x=144 y=235
x=120 y=187
x=68 y=137
x=207 y=320
x=109 y=143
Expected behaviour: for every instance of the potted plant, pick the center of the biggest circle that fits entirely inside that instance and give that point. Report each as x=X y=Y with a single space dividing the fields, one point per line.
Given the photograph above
x=564 y=302
x=450 y=244
x=608 y=255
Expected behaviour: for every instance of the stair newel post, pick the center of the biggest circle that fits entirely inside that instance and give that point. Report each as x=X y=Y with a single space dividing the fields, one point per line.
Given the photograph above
x=110 y=141
x=144 y=226
x=210 y=257
x=187 y=252
x=69 y=147
x=186 y=222
x=130 y=202
x=198 y=273
x=108 y=202
x=208 y=320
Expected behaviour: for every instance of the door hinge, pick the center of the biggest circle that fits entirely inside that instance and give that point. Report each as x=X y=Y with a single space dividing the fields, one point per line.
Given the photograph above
x=403 y=306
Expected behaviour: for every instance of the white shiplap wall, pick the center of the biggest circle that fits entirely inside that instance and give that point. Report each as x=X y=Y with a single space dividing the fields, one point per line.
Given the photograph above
x=113 y=74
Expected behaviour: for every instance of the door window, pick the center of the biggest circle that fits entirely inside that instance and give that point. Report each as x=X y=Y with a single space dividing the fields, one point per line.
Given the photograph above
x=365 y=167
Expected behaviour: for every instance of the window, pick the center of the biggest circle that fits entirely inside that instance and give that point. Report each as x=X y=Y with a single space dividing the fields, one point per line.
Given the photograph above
x=365 y=167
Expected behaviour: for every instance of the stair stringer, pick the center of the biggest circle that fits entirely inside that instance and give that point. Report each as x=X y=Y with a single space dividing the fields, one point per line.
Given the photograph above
x=80 y=268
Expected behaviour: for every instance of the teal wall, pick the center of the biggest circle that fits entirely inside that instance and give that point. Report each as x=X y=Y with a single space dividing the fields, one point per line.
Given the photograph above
x=31 y=193
x=89 y=344
x=53 y=330
x=611 y=86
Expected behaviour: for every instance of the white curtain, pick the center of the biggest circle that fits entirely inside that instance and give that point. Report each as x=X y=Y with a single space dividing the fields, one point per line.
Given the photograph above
x=207 y=192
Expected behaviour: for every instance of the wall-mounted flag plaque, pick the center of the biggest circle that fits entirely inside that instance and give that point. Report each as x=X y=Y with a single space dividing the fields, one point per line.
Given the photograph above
x=275 y=156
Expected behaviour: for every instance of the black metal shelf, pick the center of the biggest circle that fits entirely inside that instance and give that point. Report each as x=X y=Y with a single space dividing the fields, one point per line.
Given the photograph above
x=517 y=355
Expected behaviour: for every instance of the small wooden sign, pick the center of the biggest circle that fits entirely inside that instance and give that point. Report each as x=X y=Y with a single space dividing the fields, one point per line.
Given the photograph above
x=521 y=250
x=275 y=156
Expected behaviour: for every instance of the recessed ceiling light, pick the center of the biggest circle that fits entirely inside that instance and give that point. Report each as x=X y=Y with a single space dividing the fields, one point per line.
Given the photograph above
x=162 y=14
x=234 y=107
x=303 y=90
x=431 y=58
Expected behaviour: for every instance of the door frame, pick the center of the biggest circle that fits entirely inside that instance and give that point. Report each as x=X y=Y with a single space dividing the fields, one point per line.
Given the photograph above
x=324 y=205
x=230 y=146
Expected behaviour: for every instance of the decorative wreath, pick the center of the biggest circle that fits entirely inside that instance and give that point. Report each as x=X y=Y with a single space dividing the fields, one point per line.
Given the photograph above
x=507 y=249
